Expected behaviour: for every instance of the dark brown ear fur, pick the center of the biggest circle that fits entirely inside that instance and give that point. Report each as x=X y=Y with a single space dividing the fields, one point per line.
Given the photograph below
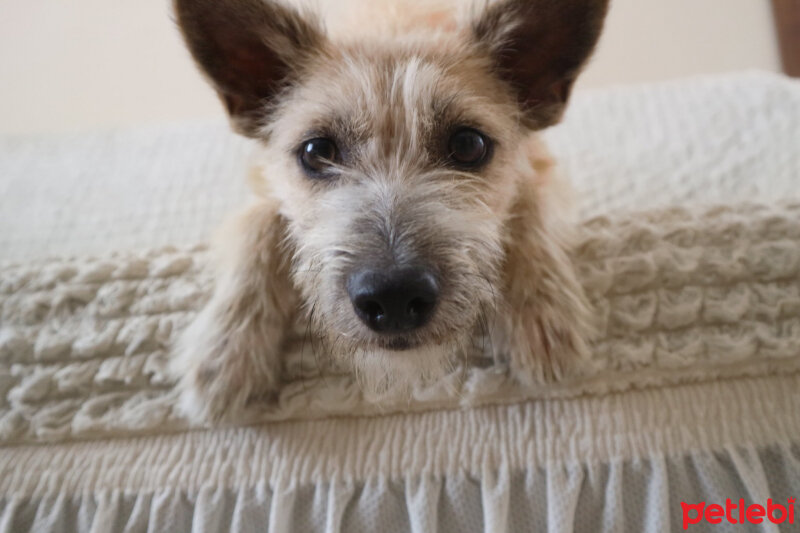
x=539 y=47
x=249 y=50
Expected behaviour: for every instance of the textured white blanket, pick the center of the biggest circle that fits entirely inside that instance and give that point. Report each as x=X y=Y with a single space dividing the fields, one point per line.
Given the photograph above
x=679 y=296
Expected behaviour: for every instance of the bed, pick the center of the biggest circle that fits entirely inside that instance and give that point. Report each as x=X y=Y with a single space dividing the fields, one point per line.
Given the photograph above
x=689 y=202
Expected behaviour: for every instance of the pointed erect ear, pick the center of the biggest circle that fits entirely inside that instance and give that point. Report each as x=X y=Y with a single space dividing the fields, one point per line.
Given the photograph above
x=539 y=48
x=248 y=49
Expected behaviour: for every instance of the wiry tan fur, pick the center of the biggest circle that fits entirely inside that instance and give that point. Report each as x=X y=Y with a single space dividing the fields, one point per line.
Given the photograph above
x=232 y=349
x=495 y=236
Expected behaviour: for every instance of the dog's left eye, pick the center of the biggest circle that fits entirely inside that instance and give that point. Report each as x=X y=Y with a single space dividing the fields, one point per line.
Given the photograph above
x=317 y=155
x=469 y=148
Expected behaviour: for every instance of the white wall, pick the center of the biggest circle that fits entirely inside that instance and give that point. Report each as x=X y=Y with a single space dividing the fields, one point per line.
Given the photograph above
x=76 y=64
x=649 y=40
x=80 y=63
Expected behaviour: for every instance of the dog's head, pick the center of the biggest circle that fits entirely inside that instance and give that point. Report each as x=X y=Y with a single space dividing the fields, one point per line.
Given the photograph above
x=396 y=158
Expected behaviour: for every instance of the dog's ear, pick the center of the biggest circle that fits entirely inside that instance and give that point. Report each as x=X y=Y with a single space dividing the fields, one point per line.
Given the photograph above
x=539 y=47
x=249 y=50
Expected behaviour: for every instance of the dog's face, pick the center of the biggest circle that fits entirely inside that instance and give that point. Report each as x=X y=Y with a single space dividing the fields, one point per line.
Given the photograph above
x=396 y=161
x=395 y=177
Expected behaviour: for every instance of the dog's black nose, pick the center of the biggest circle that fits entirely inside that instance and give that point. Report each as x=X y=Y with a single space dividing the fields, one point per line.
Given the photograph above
x=393 y=301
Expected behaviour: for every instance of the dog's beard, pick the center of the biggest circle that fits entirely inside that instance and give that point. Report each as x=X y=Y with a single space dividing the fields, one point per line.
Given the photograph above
x=381 y=372
x=397 y=364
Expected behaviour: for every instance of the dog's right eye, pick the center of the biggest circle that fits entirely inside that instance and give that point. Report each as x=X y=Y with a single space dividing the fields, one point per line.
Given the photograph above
x=469 y=148
x=317 y=156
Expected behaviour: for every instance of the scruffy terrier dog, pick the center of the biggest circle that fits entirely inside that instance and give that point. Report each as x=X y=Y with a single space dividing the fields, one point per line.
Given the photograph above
x=402 y=191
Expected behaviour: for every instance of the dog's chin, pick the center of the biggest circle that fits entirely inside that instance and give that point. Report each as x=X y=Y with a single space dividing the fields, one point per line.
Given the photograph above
x=399 y=365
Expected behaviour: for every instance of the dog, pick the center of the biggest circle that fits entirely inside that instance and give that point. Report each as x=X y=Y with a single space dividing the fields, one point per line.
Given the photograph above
x=405 y=202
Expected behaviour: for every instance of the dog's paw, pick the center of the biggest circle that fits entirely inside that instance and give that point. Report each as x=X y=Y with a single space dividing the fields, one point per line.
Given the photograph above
x=547 y=351
x=206 y=406
x=213 y=395
x=221 y=372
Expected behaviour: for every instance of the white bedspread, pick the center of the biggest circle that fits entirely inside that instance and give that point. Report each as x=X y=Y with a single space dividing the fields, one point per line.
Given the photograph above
x=692 y=393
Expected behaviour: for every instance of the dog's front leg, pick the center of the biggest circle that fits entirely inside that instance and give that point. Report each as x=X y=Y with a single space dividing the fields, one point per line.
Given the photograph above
x=231 y=352
x=547 y=319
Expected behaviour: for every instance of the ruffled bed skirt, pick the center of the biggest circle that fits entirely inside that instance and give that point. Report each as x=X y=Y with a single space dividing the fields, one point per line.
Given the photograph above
x=624 y=462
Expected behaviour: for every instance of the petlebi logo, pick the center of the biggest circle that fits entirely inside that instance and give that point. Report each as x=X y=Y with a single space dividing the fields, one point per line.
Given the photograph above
x=734 y=512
